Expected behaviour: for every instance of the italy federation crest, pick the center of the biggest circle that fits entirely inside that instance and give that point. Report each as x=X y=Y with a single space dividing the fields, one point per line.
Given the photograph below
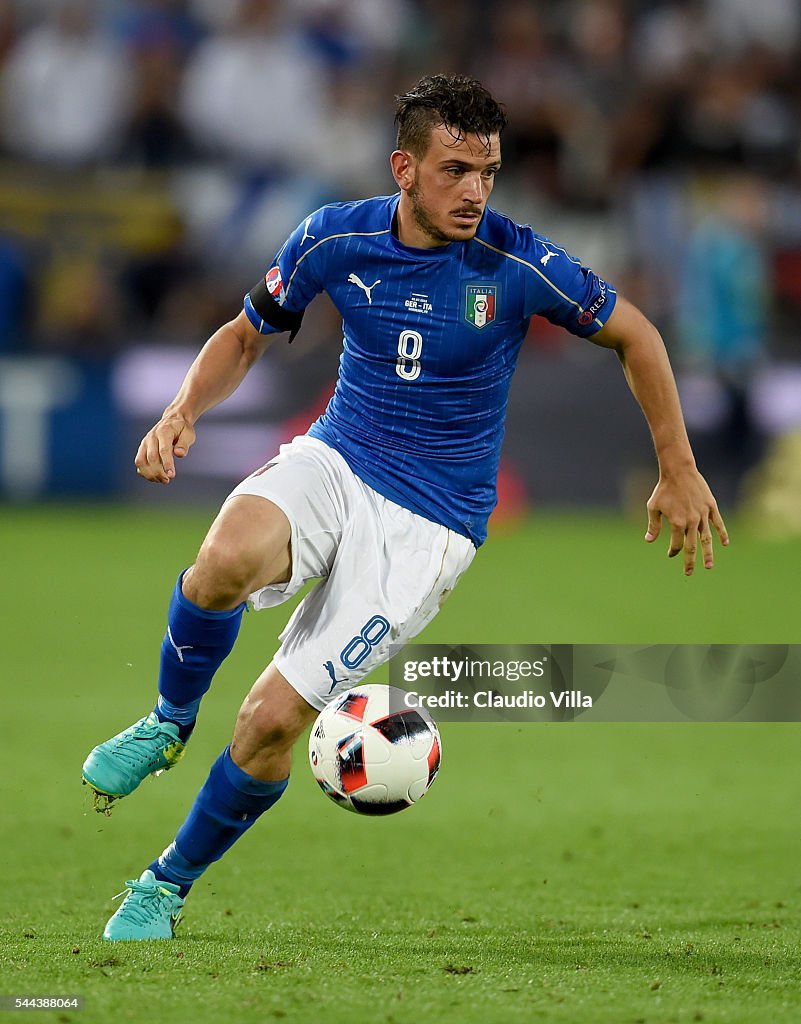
x=481 y=302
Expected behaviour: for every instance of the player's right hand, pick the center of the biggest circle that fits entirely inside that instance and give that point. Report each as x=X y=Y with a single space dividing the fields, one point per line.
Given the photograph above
x=170 y=439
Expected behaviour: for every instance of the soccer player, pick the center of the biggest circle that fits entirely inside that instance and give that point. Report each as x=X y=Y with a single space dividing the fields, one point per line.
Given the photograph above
x=387 y=496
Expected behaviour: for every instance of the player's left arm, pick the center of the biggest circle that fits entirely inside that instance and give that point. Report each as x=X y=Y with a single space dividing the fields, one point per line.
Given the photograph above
x=681 y=495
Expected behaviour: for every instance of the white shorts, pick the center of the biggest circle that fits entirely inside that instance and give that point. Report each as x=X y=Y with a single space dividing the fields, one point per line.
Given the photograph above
x=385 y=570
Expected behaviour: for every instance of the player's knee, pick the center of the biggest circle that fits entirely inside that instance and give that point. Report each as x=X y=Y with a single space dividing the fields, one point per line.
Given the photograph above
x=225 y=572
x=266 y=725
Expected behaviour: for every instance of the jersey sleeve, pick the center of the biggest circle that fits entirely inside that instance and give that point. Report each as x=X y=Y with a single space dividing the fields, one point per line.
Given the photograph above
x=278 y=301
x=564 y=291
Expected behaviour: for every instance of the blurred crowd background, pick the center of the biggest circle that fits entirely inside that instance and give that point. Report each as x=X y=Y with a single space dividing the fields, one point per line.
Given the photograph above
x=155 y=153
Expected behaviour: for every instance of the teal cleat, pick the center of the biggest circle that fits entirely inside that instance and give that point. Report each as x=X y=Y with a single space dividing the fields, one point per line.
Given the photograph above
x=151 y=910
x=115 y=768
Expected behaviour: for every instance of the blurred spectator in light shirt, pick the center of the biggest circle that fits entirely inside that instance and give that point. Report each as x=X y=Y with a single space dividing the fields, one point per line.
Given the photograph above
x=65 y=89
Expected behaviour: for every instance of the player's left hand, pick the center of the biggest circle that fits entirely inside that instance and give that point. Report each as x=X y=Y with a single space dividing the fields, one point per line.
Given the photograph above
x=685 y=500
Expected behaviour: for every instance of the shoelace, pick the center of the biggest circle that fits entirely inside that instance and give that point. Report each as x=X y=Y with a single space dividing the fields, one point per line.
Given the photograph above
x=128 y=747
x=147 y=906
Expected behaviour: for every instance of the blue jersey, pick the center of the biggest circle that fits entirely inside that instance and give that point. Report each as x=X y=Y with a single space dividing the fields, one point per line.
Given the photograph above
x=431 y=339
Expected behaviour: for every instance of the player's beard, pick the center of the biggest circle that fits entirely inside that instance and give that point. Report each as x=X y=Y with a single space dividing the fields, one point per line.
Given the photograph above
x=425 y=221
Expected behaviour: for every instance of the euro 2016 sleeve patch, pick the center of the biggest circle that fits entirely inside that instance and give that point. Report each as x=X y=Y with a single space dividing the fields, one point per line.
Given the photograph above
x=275 y=286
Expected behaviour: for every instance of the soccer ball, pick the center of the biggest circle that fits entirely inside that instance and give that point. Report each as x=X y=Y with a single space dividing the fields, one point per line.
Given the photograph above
x=372 y=754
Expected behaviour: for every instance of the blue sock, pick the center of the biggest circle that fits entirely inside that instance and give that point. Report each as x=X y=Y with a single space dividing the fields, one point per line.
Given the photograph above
x=196 y=643
x=228 y=803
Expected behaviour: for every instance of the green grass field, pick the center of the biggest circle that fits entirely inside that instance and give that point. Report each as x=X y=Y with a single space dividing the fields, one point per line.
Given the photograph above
x=556 y=872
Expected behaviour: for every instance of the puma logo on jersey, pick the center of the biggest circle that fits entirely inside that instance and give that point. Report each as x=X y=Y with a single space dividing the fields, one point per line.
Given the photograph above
x=354 y=279
x=547 y=256
x=306 y=231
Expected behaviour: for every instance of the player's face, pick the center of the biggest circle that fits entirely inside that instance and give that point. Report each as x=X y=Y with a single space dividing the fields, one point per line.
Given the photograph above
x=446 y=191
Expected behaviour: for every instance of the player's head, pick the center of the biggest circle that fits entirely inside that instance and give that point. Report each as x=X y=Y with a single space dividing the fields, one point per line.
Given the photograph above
x=456 y=102
x=448 y=152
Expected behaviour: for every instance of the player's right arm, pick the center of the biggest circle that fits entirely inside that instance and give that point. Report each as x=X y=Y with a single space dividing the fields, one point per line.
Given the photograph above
x=271 y=307
x=215 y=374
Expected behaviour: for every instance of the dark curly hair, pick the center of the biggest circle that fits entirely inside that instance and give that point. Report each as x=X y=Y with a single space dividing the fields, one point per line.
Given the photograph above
x=462 y=104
